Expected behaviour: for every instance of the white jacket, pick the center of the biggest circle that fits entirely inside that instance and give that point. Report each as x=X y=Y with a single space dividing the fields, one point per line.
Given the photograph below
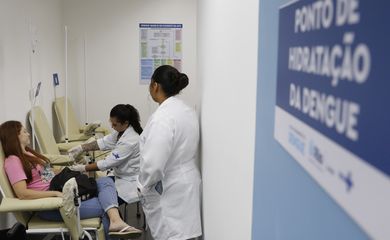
x=169 y=148
x=124 y=160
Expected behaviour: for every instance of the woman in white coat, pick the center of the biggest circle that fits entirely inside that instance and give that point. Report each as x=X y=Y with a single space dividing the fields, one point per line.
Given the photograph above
x=169 y=179
x=124 y=157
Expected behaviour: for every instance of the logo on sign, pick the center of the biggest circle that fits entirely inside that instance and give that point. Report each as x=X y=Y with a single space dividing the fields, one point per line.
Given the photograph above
x=296 y=139
x=315 y=153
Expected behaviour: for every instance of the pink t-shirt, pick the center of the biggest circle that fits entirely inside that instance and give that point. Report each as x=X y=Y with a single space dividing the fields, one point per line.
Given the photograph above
x=41 y=176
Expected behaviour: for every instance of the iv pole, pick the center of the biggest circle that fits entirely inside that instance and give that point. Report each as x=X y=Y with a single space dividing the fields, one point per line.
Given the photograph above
x=85 y=81
x=32 y=94
x=66 y=86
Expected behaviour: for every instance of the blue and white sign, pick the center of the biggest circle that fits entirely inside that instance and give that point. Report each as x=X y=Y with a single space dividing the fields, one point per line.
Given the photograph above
x=331 y=109
x=56 y=81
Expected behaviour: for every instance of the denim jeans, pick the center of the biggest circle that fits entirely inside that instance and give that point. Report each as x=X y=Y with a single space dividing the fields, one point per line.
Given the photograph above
x=94 y=207
x=120 y=200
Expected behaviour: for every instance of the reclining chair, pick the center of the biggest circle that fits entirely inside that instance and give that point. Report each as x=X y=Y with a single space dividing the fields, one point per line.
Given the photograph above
x=75 y=131
x=44 y=135
x=47 y=143
x=24 y=210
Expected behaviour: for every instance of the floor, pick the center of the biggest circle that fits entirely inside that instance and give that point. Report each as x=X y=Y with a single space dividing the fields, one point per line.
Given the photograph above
x=132 y=220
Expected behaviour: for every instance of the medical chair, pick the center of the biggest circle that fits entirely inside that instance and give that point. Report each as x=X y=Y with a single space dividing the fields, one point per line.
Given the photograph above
x=24 y=211
x=75 y=131
x=44 y=135
x=47 y=143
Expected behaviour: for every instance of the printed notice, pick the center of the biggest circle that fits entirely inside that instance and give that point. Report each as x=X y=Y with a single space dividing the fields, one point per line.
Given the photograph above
x=160 y=44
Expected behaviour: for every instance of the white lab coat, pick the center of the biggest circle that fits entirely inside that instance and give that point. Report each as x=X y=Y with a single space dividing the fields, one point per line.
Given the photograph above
x=124 y=160
x=169 y=148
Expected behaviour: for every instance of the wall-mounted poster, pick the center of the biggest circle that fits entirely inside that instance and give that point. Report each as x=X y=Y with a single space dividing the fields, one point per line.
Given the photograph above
x=160 y=44
x=332 y=112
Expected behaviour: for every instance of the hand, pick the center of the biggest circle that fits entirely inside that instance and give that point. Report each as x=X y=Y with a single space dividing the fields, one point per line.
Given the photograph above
x=78 y=168
x=74 y=152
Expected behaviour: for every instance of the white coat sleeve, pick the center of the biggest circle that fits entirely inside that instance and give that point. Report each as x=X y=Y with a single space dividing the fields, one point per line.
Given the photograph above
x=155 y=154
x=108 y=142
x=120 y=153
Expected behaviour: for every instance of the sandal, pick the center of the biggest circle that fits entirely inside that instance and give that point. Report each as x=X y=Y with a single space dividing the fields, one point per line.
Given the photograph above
x=126 y=232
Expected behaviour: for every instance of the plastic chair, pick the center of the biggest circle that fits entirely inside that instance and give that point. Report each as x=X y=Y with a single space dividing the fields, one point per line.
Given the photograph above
x=24 y=210
x=76 y=131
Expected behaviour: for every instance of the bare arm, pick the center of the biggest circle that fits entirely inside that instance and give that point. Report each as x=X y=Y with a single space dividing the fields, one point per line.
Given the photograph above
x=22 y=192
x=92 y=146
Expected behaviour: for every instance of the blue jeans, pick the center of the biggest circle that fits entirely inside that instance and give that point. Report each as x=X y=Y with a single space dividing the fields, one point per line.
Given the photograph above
x=120 y=200
x=94 y=207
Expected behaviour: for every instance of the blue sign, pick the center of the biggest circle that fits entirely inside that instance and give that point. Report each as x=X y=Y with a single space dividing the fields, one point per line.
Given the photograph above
x=55 y=79
x=331 y=110
x=333 y=73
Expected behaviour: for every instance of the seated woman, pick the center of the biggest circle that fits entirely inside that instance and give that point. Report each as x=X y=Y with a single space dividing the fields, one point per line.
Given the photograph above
x=30 y=174
x=124 y=157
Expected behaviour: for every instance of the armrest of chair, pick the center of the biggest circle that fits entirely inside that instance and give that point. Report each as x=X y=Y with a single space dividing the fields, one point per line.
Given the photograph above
x=64 y=147
x=102 y=130
x=18 y=205
x=75 y=138
x=89 y=129
x=59 y=159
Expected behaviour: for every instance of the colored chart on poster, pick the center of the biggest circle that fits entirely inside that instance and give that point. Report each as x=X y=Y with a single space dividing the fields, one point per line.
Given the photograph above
x=160 y=44
x=331 y=109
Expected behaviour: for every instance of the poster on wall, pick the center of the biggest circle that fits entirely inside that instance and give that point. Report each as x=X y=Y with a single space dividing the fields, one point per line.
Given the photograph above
x=332 y=114
x=160 y=44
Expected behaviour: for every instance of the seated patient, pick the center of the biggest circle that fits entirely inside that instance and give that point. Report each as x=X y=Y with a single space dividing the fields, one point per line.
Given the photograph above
x=30 y=174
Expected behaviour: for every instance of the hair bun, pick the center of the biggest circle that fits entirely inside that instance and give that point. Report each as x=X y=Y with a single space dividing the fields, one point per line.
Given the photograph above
x=171 y=80
x=183 y=81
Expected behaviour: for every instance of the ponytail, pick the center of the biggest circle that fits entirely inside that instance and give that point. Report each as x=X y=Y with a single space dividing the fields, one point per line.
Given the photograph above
x=134 y=120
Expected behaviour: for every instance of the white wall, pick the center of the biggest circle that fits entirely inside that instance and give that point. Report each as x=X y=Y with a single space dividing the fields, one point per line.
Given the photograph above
x=2 y=99
x=227 y=62
x=111 y=30
x=46 y=18
x=227 y=67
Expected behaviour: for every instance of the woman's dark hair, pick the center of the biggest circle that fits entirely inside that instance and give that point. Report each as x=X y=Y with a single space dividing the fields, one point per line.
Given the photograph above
x=126 y=112
x=9 y=137
x=171 y=80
